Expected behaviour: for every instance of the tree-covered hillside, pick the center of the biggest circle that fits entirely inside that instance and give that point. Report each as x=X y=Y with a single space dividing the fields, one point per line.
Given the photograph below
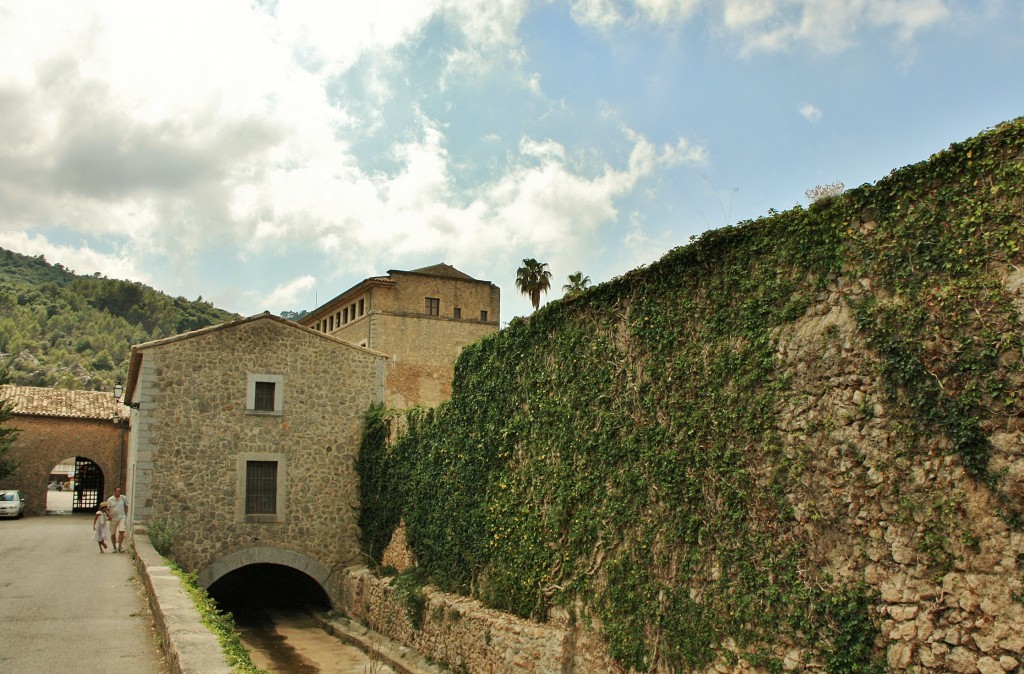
x=61 y=329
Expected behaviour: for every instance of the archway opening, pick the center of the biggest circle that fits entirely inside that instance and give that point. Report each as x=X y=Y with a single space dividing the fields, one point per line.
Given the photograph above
x=255 y=590
x=74 y=485
x=274 y=606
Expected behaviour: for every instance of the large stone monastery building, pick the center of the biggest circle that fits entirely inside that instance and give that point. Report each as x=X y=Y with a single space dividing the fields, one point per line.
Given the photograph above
x=422 y=319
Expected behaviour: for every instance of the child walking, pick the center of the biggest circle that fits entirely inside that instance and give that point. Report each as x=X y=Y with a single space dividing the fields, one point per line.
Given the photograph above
x=99 y=525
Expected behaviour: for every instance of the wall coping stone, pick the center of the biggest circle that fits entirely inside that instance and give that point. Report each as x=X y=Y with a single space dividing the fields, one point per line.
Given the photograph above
x=189 y=646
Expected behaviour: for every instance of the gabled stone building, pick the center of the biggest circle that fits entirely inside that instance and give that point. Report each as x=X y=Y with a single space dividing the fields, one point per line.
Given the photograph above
x=422 y=319
x=245 y=435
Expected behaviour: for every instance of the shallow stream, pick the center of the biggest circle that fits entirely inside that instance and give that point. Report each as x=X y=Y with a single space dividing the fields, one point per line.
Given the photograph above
x=289 y=641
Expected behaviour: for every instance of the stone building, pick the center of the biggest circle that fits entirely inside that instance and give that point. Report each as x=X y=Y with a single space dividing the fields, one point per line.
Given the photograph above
x=422 y=319
x=56 y=424
x=244 y=435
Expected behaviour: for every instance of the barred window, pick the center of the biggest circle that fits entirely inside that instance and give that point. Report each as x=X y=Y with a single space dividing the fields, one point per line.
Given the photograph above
x=265 y=393
x=458 y=312
x=483 y=315
x=260 y=487
x=433 y=306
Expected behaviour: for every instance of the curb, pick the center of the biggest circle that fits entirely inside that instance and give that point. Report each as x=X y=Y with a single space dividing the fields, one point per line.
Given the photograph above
x=189 y=646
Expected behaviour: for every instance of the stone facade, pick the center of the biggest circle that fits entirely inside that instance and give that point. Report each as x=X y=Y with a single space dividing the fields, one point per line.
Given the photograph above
x=199 y=431
x=56 y=424
x=908 y=521
x=421 y=318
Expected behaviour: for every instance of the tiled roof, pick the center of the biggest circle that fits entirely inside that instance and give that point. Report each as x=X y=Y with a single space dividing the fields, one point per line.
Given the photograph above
x=55 y=402
x=442 y=269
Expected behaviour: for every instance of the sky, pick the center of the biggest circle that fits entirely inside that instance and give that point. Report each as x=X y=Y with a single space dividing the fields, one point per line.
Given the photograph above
x=270 y=154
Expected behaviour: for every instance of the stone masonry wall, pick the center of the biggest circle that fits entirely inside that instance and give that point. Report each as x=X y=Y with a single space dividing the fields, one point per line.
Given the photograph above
x=471 y=297
x=193 y=425
x=456 y=631
x=44 y=441
x=425 y=350
x=874 y=507
x=905 y=519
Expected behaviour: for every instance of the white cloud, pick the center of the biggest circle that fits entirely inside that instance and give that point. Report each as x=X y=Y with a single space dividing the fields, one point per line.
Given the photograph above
x=828 y=26
x=289 y=294
x=738 y=14
x=668 y=11
x=601 y=14
x=810 y=112
x=761 y=26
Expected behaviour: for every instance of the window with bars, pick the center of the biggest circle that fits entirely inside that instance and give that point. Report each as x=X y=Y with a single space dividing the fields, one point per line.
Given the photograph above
x=433 y=306
x=265 y=393
x=260 y=487
x=483 y=315
x=458 y=312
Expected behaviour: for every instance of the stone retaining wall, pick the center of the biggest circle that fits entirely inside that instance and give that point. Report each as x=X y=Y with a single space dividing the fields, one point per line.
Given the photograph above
x=872 y=504
x=469 y=638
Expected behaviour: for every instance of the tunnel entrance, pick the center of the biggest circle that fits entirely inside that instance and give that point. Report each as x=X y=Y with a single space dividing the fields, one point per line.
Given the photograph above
x=270 y=603
x=259 y=588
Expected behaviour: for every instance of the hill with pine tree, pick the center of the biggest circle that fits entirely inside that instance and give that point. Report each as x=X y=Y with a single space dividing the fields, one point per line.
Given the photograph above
x=65 y=330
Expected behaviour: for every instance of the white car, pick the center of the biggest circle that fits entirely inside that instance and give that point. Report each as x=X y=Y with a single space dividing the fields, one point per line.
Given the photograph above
x=11 y=503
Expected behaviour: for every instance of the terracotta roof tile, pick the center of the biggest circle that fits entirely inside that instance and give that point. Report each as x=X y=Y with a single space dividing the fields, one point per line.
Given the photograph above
x=55 y=402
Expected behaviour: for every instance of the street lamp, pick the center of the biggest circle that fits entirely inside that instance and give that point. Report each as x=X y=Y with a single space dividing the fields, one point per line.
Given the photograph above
x=118 y=392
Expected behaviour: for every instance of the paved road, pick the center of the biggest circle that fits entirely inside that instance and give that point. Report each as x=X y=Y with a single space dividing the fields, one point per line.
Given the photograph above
x=64 y=607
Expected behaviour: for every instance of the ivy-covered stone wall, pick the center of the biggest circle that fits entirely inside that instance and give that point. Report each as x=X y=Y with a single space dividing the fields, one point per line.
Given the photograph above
x=795 y=443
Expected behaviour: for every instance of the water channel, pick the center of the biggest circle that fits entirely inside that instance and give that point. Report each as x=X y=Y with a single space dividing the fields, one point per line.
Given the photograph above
x=274 y=608
x=285 y=641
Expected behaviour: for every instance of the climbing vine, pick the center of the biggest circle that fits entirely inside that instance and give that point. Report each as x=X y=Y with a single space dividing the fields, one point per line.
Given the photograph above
x=620 y=452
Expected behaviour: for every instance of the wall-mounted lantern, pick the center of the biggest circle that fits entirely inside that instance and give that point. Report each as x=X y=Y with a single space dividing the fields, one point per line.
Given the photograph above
x=118 y=392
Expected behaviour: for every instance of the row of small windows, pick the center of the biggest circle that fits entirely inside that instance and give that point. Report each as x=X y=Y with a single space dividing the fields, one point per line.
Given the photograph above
x=342 y=316
x=432 y=307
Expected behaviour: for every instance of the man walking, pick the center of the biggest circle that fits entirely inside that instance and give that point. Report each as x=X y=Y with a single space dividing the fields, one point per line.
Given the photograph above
x=118 y=510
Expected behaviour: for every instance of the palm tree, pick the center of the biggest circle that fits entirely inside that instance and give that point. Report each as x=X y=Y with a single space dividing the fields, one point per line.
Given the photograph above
x=532 y=279
x=577 y=284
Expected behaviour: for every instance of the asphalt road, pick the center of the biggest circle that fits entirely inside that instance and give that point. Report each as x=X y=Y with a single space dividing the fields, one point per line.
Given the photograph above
x=64 y=607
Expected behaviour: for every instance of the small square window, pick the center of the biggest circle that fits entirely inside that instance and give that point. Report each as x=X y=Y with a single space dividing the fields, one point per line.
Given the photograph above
x=265 y=394
x=433 y=306
x=458 y=312
x=260 y=487
x=483 y=315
